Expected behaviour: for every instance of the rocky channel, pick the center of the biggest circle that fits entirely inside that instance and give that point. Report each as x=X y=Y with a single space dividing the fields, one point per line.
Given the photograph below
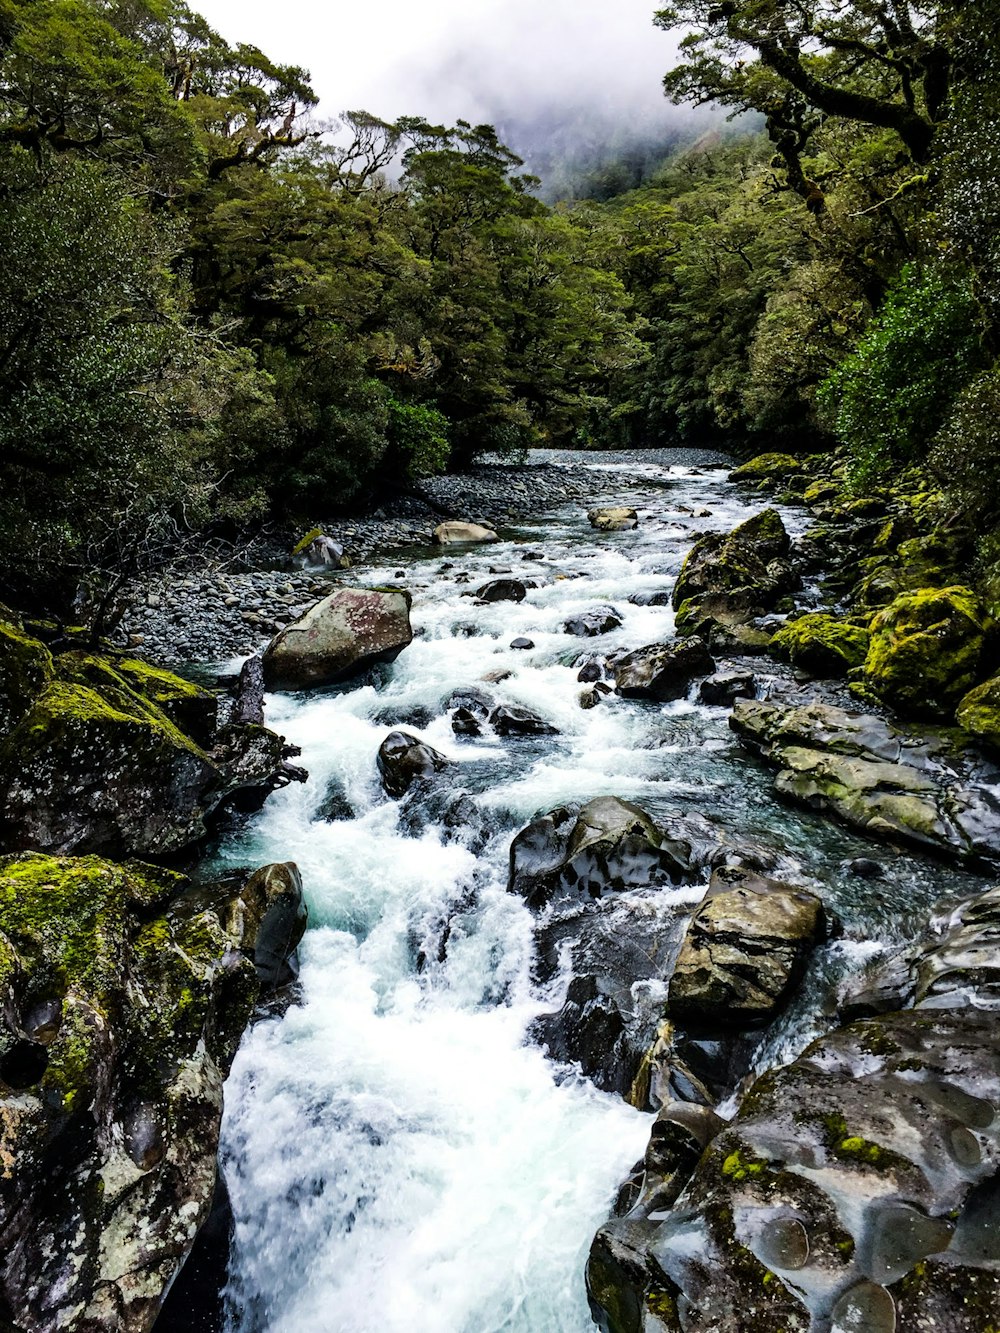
x=650 y=969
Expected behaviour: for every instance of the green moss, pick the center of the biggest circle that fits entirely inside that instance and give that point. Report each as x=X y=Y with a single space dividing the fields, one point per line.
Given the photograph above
x=25 y=670
x=739 y=1165
x=156 y=684
x=302 y=546
x=767 y=467
x=979 y=712
x=822 y=644
x=926 y=649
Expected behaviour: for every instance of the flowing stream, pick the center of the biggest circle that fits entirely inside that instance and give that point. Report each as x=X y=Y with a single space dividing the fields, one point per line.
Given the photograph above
x=399 y=1156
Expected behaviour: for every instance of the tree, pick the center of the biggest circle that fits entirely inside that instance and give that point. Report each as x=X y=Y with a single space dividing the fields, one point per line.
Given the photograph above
x=797 y=62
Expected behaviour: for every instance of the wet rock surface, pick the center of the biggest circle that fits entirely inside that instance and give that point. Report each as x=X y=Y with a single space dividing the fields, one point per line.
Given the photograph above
x=126 y=993
x=404 y=759
x=882 y=779
x=662 y=671
x=744 y=950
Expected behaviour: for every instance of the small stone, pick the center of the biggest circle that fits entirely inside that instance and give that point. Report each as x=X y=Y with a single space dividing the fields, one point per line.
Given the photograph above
x=522 y=643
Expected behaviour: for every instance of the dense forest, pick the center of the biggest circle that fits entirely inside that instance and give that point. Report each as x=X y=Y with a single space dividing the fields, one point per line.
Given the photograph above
x=215 y=312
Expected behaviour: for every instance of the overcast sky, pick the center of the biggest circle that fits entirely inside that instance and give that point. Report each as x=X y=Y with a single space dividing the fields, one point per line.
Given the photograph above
x=475 y=59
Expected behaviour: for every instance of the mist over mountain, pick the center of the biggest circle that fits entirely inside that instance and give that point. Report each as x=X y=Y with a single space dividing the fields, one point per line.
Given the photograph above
x=573 y=86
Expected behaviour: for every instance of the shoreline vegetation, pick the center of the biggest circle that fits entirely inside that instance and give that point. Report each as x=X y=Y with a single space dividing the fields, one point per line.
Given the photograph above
x=224 y=332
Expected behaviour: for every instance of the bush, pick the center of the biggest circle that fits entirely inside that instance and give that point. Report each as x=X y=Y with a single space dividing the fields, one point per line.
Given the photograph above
x=888 y=399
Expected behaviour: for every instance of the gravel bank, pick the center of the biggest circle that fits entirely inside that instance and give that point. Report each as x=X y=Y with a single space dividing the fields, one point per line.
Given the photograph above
x=214 y=612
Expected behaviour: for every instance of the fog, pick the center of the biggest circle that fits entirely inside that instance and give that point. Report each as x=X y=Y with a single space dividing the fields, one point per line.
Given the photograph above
x=560 y=78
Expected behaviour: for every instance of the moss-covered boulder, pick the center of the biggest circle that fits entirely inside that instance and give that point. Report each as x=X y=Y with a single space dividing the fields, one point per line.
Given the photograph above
x=821 y=644
x=767 y=467
x=124 y=995
x=730 y=578
x=979 y=712
x=926 y=650
x=114 y=756
x=25 y=670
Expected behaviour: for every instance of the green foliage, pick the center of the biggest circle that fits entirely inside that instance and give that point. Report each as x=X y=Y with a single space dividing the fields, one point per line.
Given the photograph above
x=418 y=439
x=887 y=399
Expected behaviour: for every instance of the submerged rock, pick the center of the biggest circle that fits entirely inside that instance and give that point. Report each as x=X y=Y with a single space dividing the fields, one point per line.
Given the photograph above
x=404 y=759
x=512 y=720
x=502 y=590
x=585 y=852
x=454 y=533
x=127 y=993
x=662 y=671
x=339 y=637
x=744 y=951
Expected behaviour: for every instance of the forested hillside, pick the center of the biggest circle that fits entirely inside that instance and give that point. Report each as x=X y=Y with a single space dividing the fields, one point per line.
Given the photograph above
x=213 y=314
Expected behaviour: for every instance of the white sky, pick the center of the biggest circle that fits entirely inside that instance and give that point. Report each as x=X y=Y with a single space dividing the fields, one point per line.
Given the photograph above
x=475 y=59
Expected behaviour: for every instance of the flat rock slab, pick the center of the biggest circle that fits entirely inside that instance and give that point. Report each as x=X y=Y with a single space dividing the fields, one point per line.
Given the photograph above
x=454 y=533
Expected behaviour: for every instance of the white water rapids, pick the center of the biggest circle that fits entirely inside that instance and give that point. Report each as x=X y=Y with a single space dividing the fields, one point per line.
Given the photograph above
x=399 y=1157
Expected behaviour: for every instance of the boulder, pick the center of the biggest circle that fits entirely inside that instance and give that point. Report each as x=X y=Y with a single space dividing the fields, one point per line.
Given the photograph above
x=767 y=467
x=276 y=921
x=855 y=1189
x=823 y=645
x=617 y=518
x=97 y=766
x=744 y=951
x=725 y=687
x=874 y=777
x=979 y=712
x=619 y=951
x=512 y=720
x=662 y=671
x=25 y=669
x=502 y=590
x=316 y=548
x=248 y=706
x=339 y=637
x=589 y=624
x=731 y=578
x=404 y=759
x=585 y=852
x=126 y=994
x=927 y=650
x=454 y=533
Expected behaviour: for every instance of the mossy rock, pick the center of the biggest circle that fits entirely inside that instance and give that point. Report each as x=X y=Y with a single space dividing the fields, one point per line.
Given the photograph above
x=125 y=996
x=25 y=670
x=303 y=545
x=749 y=563
x=926 y=650
x=979 y=712
x=821 y=644
x=767 y=467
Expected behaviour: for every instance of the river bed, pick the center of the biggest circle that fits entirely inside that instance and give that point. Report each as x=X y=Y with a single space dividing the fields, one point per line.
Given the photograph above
x=398 y=1154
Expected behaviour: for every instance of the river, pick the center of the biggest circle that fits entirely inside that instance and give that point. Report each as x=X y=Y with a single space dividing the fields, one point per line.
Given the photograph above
x=398 y=1155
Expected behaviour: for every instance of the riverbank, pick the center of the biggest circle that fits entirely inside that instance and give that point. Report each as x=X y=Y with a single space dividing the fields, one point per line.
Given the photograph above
x=214 y=608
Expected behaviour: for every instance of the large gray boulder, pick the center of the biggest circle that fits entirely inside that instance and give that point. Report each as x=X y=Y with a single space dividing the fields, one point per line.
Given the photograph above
x=728 y=579
x=605 y=846
x=127 y=991
x=744 y=950
x=339 y=637
x=616 y=518
x=662 y=671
